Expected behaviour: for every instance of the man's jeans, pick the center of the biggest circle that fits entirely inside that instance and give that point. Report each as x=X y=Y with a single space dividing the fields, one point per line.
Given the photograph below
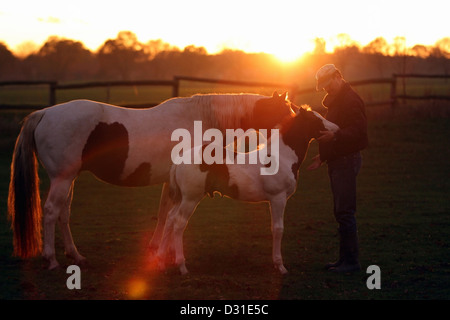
x=342 y=173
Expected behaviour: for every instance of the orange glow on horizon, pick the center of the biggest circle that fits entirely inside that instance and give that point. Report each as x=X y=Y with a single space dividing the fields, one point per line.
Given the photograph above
x=285 y=54
x=286 y=29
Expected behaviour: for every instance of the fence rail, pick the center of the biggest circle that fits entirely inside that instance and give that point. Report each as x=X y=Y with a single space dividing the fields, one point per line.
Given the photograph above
x=294 y=90
x=237 y=82
x=405 y=96
x=416 y=75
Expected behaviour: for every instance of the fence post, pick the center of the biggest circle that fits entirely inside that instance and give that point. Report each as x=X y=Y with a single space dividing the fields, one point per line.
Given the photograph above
x=175 y=87
x=52 y=93
x=394 y=91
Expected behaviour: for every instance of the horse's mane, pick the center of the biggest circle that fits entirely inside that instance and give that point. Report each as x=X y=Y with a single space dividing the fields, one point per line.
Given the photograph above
x=225 y=111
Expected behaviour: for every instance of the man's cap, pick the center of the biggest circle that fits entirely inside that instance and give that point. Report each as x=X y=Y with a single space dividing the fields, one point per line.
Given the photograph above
x=324 y=75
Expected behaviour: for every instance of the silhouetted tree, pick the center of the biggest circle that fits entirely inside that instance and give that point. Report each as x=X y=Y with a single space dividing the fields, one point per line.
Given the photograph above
x=153 y=47
x=377 y=46
x=420 y=51
x=441 y=48
x=119 y=57
x=61 y=59
x=320 y=46
x=345 y=52
x=8 y=63
x=441 y=54
x=375 y=52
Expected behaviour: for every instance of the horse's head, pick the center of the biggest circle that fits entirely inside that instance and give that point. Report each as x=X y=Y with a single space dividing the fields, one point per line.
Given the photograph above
x=312 y=122
x=268 y=112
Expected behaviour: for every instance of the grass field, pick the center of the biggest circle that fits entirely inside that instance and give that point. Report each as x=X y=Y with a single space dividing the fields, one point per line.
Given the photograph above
x=403 y=216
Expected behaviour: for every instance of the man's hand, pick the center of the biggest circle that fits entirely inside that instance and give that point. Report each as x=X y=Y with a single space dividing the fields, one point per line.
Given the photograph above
x=326 y=136
x=315 y=164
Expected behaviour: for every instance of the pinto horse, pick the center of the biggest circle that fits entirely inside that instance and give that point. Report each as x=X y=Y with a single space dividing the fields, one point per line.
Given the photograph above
x=189 y=184
x=121 y=146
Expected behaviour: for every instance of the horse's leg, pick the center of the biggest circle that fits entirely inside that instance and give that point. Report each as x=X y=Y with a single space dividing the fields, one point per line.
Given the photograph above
x=54 y=205
x=64 y=217
x=164 y=207
x=179 y=225
x=166 y=242
x=277 y=207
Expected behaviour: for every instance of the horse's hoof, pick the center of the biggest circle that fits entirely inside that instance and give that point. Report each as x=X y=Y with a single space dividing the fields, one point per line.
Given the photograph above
x=53 y=266
x=183 y=270
x=281 y=269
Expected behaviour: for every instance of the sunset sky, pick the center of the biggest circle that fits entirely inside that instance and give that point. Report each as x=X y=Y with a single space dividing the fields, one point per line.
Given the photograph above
x=285 y=28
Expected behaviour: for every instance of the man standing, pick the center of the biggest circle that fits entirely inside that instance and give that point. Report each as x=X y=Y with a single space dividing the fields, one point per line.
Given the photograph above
x=341 y=151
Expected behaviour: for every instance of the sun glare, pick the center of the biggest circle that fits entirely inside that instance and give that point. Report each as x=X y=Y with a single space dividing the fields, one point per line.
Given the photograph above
x=288 y=55
x=287 y=51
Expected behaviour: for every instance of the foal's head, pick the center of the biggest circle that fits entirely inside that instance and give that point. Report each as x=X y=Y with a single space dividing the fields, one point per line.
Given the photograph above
x=299 y=130
x=305 y=125
x=310 y=123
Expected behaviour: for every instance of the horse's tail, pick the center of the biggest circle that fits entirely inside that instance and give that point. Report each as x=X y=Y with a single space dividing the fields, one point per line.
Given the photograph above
x=24 y=201
x=174 y=188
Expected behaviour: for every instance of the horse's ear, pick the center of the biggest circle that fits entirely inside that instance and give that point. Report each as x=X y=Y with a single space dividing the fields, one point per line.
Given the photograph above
x=275 y=94
x=304 y=108
x=284 y=96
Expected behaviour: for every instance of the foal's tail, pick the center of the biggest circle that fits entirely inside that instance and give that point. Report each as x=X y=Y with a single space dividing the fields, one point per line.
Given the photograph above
x=24 y=201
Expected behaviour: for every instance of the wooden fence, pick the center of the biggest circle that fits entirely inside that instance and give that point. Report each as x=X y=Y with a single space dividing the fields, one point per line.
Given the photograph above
x=294 y=90
x=405 y=96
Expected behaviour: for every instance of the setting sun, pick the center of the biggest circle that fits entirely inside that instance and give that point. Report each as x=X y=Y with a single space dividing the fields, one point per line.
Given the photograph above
x=291 y=51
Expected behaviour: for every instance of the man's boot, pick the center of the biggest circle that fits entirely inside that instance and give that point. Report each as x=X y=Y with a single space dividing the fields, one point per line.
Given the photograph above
x=341 y=255
x=349 y=245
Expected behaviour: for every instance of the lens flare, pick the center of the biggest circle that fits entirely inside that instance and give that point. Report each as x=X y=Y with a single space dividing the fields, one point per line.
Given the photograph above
x=137 y=288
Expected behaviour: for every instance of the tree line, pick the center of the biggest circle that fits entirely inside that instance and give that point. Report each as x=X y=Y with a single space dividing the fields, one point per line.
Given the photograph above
x=126 y=58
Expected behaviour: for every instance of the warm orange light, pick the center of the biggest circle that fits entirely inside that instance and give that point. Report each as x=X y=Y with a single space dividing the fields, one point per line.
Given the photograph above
x=242 y=25
x=137 y=288
x=291 y=52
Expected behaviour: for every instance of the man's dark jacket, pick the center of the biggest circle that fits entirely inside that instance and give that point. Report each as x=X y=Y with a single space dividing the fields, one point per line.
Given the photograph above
x=347 y=110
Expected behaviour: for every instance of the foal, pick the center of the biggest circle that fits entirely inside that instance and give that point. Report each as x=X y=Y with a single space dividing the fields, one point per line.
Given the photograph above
x=191 y=182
